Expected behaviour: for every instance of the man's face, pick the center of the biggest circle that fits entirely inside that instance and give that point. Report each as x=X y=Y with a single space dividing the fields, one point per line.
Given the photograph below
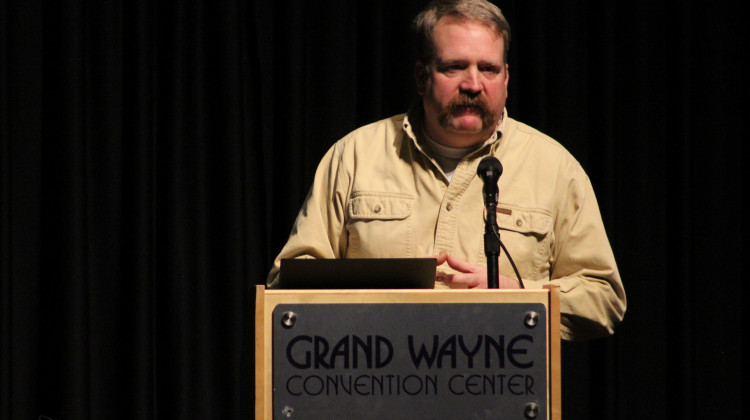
x=465 y=87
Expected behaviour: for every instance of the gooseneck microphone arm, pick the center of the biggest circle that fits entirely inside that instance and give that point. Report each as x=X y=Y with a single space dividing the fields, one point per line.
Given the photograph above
x=490 y=170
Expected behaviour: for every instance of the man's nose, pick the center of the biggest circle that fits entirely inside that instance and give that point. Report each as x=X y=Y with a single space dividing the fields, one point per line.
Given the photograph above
x=471 y=83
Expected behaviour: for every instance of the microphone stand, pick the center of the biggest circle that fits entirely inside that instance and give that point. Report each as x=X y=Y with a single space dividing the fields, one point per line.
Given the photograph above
x=492 y=246
x=489 y=170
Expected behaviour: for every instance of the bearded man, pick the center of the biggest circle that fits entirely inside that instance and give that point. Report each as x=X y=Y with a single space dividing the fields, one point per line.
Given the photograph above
x=407 y=186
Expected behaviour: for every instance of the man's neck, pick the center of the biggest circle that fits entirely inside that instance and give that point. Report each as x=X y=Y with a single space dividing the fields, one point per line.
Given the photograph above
x=447 y=157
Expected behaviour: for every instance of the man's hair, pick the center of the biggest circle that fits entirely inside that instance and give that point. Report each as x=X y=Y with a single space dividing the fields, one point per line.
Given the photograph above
x=473 y=10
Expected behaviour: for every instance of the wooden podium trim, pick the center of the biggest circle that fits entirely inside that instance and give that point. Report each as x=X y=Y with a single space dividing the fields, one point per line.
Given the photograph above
x=267 y=300
x=555 y=374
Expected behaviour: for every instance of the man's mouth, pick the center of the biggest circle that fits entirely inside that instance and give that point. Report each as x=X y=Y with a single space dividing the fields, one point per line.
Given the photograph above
x=464 y=106
x=469 y=109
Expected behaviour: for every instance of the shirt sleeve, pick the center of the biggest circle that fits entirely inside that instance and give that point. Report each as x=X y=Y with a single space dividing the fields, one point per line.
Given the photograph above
x=582 y=262
x=319 y=230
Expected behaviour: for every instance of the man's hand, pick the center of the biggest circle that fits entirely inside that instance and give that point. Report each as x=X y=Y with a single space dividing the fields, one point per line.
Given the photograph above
x=470 y=275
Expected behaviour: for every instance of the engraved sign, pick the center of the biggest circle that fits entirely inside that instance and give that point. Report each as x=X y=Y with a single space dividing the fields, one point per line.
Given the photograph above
x=406 y=361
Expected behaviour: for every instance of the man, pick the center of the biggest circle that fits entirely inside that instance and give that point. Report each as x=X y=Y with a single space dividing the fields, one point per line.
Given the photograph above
x=407 y=186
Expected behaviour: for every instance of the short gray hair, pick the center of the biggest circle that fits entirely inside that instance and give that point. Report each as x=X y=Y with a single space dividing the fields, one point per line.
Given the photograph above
x=475 y=10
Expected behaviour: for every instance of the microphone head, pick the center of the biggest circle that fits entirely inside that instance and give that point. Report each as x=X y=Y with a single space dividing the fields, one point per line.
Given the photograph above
x=490 y=169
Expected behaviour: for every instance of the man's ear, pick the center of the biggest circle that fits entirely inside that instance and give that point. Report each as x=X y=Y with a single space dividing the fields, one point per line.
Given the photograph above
x=507 y=76
x=420 y=76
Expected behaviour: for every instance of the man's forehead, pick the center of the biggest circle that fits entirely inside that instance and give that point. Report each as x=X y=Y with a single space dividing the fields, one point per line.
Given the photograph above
x=448 y=48
x=461 y=20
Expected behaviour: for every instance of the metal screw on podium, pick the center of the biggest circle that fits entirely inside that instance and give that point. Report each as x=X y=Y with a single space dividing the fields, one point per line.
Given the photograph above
x=532 y=318
x=287 y=411
x=531 y=410
x=288 y=319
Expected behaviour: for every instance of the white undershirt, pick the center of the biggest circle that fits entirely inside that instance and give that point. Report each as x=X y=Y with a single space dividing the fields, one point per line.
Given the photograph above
x=447 y=157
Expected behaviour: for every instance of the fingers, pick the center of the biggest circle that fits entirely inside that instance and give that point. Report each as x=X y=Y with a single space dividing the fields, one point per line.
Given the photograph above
x=508 y=282
x=461 y=265
x=470 y=280
x=441 y=258
x=469 y=275
x=456 y=263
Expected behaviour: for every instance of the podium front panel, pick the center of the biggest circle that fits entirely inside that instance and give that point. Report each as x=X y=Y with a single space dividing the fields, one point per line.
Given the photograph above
x=407 y=354
x=442 y=360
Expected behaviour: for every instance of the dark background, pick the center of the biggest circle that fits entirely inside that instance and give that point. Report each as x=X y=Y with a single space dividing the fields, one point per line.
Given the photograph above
x=154 y=154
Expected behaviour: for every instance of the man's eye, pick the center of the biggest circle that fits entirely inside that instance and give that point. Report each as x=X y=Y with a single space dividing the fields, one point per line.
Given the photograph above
x=451 y=69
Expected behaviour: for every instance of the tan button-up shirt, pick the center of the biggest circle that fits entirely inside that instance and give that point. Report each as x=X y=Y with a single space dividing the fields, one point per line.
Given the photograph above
x=379 y=194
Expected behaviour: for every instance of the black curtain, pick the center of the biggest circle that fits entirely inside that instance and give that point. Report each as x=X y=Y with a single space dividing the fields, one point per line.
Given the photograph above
x=154 y=154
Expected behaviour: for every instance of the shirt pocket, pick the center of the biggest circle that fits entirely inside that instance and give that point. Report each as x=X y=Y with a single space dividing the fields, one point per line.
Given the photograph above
x=379 y=225
x=527 y=235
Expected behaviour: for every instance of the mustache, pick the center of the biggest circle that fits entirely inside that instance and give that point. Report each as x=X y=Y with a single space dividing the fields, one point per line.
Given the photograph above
x=462 y=102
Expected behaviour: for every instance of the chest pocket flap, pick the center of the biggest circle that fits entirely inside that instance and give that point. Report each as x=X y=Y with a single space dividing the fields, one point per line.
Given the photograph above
x=380 y=206
x=526 y=221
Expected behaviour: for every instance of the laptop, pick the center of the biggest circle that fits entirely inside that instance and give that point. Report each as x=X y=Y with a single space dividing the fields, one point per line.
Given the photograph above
x=358 y=273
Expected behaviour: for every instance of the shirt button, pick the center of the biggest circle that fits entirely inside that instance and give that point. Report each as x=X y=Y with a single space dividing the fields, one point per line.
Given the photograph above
x=519 y=222
x=377 y=208
x=449 y=207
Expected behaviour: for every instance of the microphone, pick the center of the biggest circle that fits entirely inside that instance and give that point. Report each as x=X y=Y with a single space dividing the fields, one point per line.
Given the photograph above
x=490 y=170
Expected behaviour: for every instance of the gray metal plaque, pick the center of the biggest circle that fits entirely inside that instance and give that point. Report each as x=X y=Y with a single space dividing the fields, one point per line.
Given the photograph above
x=410 y=361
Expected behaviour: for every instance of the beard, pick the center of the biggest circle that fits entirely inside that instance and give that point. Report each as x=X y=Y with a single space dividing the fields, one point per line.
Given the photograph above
x=462 y=102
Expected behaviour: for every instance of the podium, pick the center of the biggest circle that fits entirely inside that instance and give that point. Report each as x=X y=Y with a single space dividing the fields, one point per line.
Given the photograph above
x=405 y=354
